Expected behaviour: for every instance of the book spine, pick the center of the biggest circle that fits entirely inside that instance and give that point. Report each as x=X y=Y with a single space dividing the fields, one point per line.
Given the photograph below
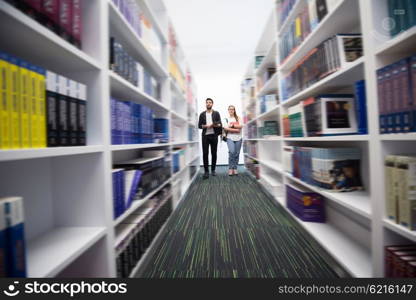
x=34 y=108
x=63 y=128
x=391 y=188
x=388 y=99
x=404 y=96
x=32 y=8
x=4 y=102
x=14 y=103
x=77 y=23
x=41 y=101
x=396 y=101
x=82 y=114
x=65 y=20
x=413 y=92
x=52 y=99
x=50 y=10
x=15 y=235
x=24 y=104
x=73 y=130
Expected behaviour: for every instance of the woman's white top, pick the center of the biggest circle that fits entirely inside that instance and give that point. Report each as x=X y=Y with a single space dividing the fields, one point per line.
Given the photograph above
x=232 y=135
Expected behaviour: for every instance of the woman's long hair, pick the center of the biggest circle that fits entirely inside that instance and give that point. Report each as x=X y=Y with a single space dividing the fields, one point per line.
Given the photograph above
x=235 y=113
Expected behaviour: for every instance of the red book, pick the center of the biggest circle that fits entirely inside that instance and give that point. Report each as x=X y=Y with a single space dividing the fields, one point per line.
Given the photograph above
x=411 y=269
x=397 y=270
x=401 y=267
x=389 y=256
x=32 y=8
x=65 y=19
x=76 y=22
x=50 y=10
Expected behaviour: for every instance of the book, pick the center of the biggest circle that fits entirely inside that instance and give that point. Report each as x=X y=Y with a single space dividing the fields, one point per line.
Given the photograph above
x=51 y=10
x=15 y=249
x=25 y=104
x=361 y=107
x=77 y=23
x=413 y=92
x=65 y=19
x=52 y=98
x=82 y=113
x=321 y=9
x=5 y=132
x=73 y=131
x=63 y=126
x=391 y=185
x=41 y=106
x=13 y=92
x=406 y=178
x=32 y=8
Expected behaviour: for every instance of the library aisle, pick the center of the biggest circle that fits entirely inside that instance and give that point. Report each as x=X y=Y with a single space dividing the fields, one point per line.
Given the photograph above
x=227 y=227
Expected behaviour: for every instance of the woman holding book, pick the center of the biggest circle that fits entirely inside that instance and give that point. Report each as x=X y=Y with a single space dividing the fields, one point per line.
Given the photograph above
x=232 y=128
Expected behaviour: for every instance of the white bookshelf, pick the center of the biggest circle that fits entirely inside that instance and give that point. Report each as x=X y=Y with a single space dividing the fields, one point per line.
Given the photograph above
x=67 y=191
x=356 y=230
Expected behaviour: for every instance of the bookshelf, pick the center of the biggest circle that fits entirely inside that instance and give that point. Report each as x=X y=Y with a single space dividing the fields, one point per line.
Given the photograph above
x=356 y=230
x=69 y=226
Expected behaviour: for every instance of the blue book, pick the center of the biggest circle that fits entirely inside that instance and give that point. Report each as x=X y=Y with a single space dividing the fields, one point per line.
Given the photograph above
x=132 y=179
x=115 y=194
x=16 y=250
x=113 y=105
x=121 y=193
x=361 y=107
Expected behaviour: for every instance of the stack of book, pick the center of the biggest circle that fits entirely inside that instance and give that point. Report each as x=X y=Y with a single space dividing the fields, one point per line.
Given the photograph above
x=268 y=102
x=131 y=123
x=334 y=169
x=12 y=238
x=142 y=25
x=161 y=131
x=330 y=56
x=400 y=183
x=403 y=14
x=64 y=17
x=39 y=108
x=134 y=180
x=122 y=63
x=307 y=206
x=308 y=18
x=329 y=115
x=400 y=261
x=397 y=96
x=269 y=129
x=136 y=233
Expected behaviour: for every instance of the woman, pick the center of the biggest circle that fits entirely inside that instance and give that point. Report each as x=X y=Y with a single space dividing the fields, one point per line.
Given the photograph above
x=233 y=127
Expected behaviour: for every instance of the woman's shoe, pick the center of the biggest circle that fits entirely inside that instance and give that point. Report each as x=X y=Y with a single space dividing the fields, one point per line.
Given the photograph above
x=235 y=172
x=230 y=173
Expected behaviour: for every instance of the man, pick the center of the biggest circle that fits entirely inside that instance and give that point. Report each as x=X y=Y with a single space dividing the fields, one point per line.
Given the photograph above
x=210 y=123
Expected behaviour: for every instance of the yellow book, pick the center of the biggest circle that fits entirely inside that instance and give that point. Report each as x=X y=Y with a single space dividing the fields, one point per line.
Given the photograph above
x=391 y=185
x=41 y=97
x=34 y=118
x=24 y=104
x=4 y=110
x=14 y=103
x=298 y=23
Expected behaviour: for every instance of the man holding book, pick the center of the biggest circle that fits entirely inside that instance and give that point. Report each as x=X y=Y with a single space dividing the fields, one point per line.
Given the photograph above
x=210 y=123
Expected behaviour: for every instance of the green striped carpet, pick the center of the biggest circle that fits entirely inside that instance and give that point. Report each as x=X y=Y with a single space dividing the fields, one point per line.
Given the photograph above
x=227 y=227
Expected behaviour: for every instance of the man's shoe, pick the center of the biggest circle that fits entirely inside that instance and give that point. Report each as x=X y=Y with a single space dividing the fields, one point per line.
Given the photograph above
x=206 y=176
x=213 y=173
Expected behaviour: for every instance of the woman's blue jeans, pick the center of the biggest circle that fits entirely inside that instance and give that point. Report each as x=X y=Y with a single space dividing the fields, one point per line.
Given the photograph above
x=233 y=153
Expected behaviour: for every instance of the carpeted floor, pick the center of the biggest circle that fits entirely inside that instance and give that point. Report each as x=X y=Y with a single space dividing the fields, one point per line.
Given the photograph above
x=227 y=227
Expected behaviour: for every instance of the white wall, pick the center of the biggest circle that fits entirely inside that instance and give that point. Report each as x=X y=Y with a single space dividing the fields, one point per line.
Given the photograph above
x=219 y=38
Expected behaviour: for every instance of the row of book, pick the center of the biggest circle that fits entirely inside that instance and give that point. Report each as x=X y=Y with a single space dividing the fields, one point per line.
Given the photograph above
x=268 y=102
x=306 y=205
x=178 y=159
x=403 y=15
x=400 y=183
x=269 y=129
x=252 y=131
x=308 y=18
x=12 y=238
x=133 y=180
x=125 y=65
x=252 y=166
x=400 y=261
x=250 y=148
x=141 y=25
x=39 y=108
x=334 y=169
x=64 y=17
x=133 y=123
x=135 y=234
x=330 y=56
x=325 y=115
x=396 y=85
